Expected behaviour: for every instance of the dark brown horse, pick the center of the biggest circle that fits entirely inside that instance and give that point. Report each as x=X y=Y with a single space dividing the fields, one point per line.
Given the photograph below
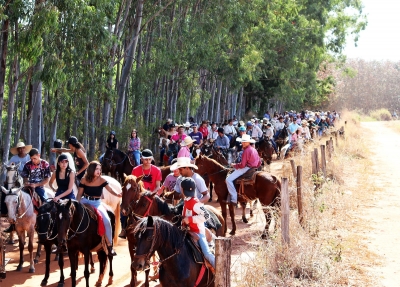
x=265 y=149
x=77 y=232
x=266 y=188
x=154 y=234
x=117 y=163
x=281 y=140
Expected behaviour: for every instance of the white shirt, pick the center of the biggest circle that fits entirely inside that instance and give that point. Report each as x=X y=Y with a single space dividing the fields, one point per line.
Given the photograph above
x=229 y=130
x=212 y=134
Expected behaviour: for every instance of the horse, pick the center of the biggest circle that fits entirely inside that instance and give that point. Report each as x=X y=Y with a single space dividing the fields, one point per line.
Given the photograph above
x=151 y=204
x=281 y=140
x=266 y=188
x=77 y=232
x=21 y=212
x=179 y=267
x=117 y=163
x=265 y=149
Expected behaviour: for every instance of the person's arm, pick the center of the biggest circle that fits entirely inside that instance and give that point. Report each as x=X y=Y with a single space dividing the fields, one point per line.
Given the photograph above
x=80 y=190
x=157 y=189
x=70 y=187
x=60 y=150
x=206 y=197
x=226 y=142
x=82 y=155
x=116 y=145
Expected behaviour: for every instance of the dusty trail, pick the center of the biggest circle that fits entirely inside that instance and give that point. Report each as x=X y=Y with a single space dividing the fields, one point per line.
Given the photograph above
x=383 y=216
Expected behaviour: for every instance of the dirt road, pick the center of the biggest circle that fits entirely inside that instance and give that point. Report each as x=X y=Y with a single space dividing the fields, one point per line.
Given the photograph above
x=383 y=214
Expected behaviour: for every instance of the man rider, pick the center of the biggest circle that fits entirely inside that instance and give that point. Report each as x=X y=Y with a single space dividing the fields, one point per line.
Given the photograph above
x=222 y=141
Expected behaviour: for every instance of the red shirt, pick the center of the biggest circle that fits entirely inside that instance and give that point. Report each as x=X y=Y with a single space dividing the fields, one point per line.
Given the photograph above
x=204 y=131
x=195 y=211
x=150 y=176
x=250 y=158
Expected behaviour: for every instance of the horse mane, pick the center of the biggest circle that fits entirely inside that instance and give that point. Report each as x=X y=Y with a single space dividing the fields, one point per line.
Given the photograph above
x=119 y=152
x=165 y=231
x=163 y=206
x=214 y=161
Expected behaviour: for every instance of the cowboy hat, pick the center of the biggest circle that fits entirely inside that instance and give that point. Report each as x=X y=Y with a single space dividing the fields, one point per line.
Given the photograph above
x=186 y=125
x=304 y=122
x=188 y=140
x=182 y=162
x=14 y=150
x=241 y=123
x=246 y=139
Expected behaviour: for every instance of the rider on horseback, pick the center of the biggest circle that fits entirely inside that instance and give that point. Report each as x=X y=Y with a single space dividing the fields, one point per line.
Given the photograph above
x=194 y=215
x=134 y=146
x=20 y=155
x=250 y=159
x=222 y=141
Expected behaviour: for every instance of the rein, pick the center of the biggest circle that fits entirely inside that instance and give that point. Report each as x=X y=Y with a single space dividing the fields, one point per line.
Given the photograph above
x=19 y=202
x=50 y=228
x=112 y=162
x=76 y=232
x=148 y=208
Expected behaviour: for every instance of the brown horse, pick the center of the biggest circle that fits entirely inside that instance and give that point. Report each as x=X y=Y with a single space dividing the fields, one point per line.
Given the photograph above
x=131 y=189
x=265 y=150
x=266 y=188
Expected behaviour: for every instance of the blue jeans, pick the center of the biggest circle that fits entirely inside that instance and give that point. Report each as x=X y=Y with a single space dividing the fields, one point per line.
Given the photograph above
x=274 y=144
x=40 y=191
x=136 y=154
x=69 y=196
x=206 y=251
x=103 y=211
x=229 y=182
x=101 y=158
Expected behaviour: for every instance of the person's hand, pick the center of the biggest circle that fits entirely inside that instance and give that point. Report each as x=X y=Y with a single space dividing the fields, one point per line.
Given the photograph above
x=119 y=194
x=56 y=199
x=186 y=220
x=232 y=164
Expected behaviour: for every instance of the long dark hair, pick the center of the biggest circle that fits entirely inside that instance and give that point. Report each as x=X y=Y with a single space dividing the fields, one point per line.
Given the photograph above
x=89 y=175
x=134 y=131
x=58 y=169
x=109 y=137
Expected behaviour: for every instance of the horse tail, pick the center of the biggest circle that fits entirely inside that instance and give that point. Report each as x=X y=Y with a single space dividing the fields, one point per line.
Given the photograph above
x=221 y=230
x=117 y=213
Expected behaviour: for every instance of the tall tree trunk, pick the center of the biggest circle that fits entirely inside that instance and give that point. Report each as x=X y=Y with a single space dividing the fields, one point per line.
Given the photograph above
x=3 y=66
x=53 y=132
x=22 y=113
x=126 y=70
x=92 y=131
x=37 y=109
x=86 y=125
x=218 y=107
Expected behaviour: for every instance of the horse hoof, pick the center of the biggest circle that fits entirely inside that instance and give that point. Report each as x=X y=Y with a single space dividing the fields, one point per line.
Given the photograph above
x=264 y=236
x=36 y=261
x=60 y=284
x=43 y=283
x=98 y=284
x=245 y=219
x=92 y=270
x=19 y=268
x=10 y=241
x=31 y=270
x=57 y=257
x=110 y=281
x=232 y=232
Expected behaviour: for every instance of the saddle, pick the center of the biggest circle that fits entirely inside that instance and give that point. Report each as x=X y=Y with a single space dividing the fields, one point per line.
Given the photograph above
x=197 y=253
x=95 y=214
x=246 y=179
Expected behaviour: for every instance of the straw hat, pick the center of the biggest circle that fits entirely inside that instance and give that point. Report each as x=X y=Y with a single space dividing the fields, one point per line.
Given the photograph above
x=303 y=122
x=188 y=140
x=14 y=150
x=246 y=139
x=182 y=162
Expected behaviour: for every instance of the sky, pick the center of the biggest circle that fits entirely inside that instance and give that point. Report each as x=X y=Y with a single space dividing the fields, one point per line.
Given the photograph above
x=381 y=38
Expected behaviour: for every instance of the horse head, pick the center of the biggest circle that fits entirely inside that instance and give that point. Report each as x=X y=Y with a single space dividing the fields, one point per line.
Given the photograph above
x=45 y=220
x=13 y=198
x=131 y=189
x=144 y=204
x=64 y=217
x=145 y=235
x=12 y=175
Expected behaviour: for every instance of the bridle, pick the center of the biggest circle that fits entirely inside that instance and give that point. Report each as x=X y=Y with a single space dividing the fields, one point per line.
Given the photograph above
x=18 y=194
x=151 y=200
x=134 y=201
x=111 y=162
x=50 y=228
x=15 y=177
x=75 y=232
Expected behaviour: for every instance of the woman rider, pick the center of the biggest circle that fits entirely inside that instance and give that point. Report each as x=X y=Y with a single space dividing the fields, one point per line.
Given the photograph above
x=134 y=146
x=112 y=142
x=79 y=151
x=65 y=178
x=90 y=192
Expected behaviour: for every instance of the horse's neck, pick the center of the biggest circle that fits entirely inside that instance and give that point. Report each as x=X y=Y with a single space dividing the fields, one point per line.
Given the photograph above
x=26 y=205
x=165 y=207
x=214 y=166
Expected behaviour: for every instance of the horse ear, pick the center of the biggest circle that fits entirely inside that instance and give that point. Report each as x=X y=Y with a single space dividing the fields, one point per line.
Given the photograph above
x=4 y=190
x=17 y=166
x=125 y=176
x=139 y=178
x=150 y=221
x=69 y=203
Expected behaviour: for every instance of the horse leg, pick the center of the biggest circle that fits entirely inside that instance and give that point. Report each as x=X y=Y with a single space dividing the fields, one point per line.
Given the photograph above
x=21 y=241
x=111 y=272
x=232 y=215
x=92 y=269
x=31 y=234
x=86 y=272
x=211 y=190
x=132 y=250
x=61 y=265
x=73 y=259
x=38 y=253
x=47 y=248
x=101 y=255
x=224 y=215
x=243 y=205
x=253 y=206
x=268 y=218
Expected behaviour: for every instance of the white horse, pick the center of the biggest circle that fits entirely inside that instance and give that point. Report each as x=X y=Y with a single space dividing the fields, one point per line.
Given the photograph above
x=20 y=212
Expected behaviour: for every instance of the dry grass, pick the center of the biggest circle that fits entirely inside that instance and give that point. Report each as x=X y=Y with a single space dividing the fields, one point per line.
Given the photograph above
x=381 y=115
x=328 y=250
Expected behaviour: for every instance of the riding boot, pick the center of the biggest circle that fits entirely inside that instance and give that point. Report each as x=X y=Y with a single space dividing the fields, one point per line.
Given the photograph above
x=122 y=234
x=10 y=229
x=111 y=251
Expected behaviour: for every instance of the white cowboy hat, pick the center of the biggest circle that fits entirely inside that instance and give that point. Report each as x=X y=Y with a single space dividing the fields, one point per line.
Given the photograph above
x=246 y=139
x=186 y=125
x=182 y=162
x=187 y=140
x=14 y=150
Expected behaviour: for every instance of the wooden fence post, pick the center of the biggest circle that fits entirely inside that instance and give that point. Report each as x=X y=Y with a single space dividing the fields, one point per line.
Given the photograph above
x=323 y=160
x=328 y=147
x=299 y=184
x=313 y=165
x=285 y=210
x=222 y=262
x=293 y=169
x=316 y=160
